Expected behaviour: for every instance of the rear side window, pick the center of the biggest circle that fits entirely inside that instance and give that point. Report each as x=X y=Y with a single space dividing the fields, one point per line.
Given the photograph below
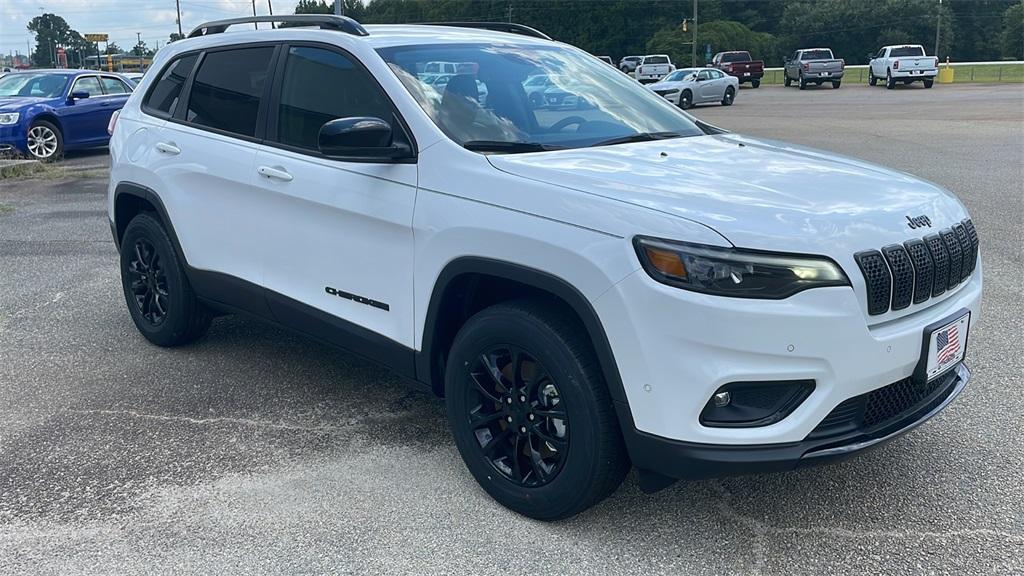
x=816 y=55
x=907 y=51
x=163 y=98
x=656 y=60
x=227 y=89
x=113 y=85
x=320 y=85
x=736 y=57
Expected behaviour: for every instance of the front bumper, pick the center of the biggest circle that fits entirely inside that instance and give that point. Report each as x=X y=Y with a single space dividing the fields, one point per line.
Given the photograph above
x=672 y=96
x=13 y=139
x=691 y=461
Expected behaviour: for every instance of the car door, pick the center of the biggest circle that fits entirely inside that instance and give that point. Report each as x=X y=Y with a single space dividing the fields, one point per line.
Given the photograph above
x=720 y=82
x=204 y=156
x=705 y=86
x=793 y=65
x=338 y=250
x=82 y=119
x=878 y=63
x=115 y=94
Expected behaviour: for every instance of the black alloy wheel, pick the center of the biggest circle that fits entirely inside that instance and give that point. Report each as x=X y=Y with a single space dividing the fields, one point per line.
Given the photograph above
x=518 y=416
x=148 y=282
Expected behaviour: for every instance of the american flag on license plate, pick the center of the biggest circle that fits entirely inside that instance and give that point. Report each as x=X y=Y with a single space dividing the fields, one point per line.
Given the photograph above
x=948 y=344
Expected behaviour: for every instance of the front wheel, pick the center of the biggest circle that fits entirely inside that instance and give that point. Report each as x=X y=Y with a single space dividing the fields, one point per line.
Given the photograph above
x=755 y=83
x=45 y=141
x=686 y=100
x=730 y=95
x=530 y=412
x=159 y=296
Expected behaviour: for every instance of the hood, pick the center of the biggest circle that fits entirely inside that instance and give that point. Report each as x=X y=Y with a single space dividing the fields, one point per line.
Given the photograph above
x=14 y=104
x=756 y=193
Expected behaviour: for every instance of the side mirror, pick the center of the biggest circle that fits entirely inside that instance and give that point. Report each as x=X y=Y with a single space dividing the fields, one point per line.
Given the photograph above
x=360 y=138
x=81 y=95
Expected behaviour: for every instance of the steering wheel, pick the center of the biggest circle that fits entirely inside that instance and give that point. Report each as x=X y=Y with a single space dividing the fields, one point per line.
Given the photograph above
x=561 y=124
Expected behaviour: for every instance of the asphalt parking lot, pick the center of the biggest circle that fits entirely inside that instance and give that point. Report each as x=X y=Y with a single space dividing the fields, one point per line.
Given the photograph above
x=255 y=451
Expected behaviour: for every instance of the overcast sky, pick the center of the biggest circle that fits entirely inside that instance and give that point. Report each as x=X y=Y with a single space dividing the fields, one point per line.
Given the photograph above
x=121 y=19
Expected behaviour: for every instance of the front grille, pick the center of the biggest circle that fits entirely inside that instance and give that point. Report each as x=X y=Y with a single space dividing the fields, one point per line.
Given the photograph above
x=919 y=269
x=878 y=408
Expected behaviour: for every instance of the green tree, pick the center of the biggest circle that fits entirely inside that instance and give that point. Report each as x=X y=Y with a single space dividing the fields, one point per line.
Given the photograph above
x=1011 y=40
x=113 y=48
x=53 y=32
x=175 y=37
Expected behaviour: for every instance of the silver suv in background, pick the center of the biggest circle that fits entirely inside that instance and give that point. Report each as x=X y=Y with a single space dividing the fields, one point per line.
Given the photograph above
x=629 y=63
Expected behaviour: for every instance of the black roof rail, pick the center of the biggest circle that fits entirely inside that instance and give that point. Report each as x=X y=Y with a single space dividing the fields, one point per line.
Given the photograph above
x=509 y=27
x=324 y=21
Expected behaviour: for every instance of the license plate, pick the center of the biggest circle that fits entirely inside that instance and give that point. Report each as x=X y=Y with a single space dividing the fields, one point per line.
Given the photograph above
x=746 y=73
x=826 y=73
x=946 y=346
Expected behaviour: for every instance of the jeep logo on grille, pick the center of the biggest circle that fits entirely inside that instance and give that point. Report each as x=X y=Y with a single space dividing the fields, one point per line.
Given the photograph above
x=919 y=221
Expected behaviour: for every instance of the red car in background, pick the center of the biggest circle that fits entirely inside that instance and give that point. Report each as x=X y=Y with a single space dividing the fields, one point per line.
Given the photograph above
x=738 y=63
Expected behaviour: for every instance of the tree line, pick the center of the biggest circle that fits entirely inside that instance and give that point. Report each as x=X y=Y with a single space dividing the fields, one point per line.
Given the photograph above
x=971 y=30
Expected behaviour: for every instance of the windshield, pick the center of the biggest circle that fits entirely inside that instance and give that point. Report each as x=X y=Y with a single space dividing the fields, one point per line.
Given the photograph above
x=816 y=55
x=518 y=99
x=736 y=57
x=907 y=51
x=28 y=85
x=681 y=74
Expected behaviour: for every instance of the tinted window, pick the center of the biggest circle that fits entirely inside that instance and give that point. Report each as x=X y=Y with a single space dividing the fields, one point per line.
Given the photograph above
x=88 y=84
x=907 y=51
x=320 y=85
x=816 y=55
x=227 y=90
x=165 y=93
x=113 y=85
x=736 y=57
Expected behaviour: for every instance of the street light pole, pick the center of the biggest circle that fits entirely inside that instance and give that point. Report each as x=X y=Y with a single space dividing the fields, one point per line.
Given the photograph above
x=177 y=6
x=693 y=46
x=138 y=46
x=938 y=26
x=339 y=8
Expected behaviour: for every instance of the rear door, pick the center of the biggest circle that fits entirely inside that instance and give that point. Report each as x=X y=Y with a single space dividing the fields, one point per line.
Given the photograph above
x=115 y=94
x=339 y=244
x=204 y=160
x=707 y=91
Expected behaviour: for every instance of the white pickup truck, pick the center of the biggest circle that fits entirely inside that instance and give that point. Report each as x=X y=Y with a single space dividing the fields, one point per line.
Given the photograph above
x=904 y=64
x=654 y=67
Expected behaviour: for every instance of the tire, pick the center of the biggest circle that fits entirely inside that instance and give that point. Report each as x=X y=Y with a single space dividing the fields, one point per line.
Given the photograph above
x=159 y=296
x=686 y=100
x=890 y=83
x=587 y=456
x=836 y=84
x=872 y=81
x=729 y=97
x=45 y=141
x=803 y=83
x=786 y=80
x=928 y=82
x=755 y=83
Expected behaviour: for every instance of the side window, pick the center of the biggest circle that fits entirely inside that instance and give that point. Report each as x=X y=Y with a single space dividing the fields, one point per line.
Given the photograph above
x=320 y=85
x=227 y=89
x=163 y=97
x=704 y=75
x=88 y=84
x=113 y=85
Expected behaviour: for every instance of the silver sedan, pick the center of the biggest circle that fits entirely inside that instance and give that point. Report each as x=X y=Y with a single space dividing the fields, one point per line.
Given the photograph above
x=688 y=86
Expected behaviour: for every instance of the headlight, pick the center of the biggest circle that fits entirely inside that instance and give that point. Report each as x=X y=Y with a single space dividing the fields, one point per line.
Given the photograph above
x=735 y=272
x=8 y=118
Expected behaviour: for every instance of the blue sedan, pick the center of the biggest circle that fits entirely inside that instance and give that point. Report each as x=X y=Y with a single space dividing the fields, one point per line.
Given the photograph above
x=45 y=112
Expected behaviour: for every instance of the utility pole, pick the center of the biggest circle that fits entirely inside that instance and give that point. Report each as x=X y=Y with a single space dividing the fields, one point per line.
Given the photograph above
x=938 y=26
x=510 y=12
x=177 y=6
x=339 y=7
x=693 y=46
x=256 y=24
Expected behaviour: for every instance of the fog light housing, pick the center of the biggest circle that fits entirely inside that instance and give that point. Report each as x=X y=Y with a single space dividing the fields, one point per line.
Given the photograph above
x=753 y=404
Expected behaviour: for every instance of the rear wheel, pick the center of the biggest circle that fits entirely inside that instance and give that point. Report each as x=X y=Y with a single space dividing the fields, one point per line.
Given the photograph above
x=890 y=82
x=686 y=100
x=730 y=95
x=159 y=296
x=755 y=83
x=872 y=81
x=928 y=82
x=803 y=83
x=786 y=80
x=530 y=412
x=836 y=83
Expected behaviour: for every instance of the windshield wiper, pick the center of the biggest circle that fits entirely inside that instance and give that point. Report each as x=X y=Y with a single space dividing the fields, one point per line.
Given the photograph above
x=510 y=147
x=639 y=137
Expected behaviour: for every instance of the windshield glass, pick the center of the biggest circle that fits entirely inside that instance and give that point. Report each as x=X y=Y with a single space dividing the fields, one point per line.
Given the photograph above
x=681 y=74
x=816 y=55
x=519 y=98
x=28 y=85
x=907 y=51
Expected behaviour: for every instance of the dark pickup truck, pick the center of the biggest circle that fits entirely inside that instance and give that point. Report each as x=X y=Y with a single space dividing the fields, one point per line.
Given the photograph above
x=739 y=64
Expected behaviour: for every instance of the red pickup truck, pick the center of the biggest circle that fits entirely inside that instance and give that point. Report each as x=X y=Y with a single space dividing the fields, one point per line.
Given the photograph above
x=739 y=64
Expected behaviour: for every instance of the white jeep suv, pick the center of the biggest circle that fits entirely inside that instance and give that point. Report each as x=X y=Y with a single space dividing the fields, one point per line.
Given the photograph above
x=587 y=289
